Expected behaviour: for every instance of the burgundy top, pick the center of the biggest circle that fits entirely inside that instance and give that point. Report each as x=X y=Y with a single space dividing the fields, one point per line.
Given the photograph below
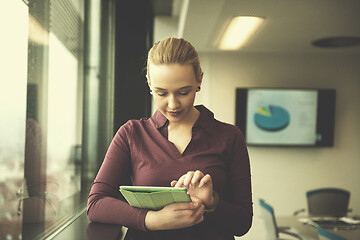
x=140 y=154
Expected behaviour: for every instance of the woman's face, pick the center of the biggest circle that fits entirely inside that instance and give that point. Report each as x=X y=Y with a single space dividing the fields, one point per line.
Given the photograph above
x=174 y=88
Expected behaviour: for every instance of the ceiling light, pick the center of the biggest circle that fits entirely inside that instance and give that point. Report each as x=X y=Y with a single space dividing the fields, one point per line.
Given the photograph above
x=239 y=32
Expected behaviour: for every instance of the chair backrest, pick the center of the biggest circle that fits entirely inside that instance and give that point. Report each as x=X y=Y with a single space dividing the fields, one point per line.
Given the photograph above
x=329 y=202
x=326 y=235
x=269 y=220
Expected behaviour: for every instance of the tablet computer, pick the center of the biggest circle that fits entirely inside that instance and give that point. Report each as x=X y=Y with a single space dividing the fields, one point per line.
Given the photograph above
x=153 y=198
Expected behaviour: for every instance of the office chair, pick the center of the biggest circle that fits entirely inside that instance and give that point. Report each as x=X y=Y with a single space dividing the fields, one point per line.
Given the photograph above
x=272 y=229
x=269 y=220
x=328 y=202
x=326 y=235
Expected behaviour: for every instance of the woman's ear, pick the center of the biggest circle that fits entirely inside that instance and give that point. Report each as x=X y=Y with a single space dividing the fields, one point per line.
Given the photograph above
x=148 y=81
x=149 y=84
x=199 y=81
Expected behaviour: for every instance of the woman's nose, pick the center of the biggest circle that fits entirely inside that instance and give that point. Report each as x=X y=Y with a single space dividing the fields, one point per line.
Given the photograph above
x=173 y=102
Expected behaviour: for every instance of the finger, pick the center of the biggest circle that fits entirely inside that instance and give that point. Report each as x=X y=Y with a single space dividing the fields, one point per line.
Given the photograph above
x=199 y=214
x=188 y=178
x=180 y=182
x=173 y=183
x=205 y=180
x=201 y=209
x=198 y=175
x=201 y=219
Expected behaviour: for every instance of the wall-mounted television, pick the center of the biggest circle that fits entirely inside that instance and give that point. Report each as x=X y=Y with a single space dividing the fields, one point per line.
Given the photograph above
x=286 y=117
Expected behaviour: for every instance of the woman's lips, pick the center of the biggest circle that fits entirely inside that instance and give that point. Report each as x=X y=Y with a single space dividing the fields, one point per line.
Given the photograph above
x=174 y=114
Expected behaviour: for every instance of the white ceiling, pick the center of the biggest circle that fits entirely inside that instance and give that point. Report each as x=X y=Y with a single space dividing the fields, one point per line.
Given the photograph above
x=290 y=25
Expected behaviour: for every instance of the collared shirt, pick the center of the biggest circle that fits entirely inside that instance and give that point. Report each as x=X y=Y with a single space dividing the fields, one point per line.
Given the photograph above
x=141 y=154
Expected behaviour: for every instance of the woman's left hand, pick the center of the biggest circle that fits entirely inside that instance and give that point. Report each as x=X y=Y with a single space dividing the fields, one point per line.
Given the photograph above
x=198 y=185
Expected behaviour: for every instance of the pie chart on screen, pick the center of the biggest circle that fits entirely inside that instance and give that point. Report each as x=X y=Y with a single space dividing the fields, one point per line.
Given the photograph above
x=271 y=118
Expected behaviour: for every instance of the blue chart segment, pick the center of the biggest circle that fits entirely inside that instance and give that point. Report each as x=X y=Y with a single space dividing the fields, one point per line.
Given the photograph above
x=271 y=118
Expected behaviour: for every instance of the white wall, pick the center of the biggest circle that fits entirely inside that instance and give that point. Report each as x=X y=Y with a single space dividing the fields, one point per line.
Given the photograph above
x=282 y=175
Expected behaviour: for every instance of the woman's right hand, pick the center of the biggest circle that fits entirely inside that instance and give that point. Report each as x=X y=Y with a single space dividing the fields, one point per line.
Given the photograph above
x=175 y=216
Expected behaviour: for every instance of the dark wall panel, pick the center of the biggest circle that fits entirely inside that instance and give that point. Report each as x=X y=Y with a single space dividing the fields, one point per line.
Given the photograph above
x=134 y=23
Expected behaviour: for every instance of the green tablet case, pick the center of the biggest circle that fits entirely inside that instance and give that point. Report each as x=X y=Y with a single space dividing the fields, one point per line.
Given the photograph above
x=153 y=198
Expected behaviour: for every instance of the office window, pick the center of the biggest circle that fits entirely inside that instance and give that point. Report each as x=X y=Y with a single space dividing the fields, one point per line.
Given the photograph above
x=54 y=115
x=45 y=98
x=13 y=72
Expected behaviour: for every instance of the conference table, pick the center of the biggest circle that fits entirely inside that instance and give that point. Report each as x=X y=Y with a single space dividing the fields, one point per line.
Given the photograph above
x=83 y=229
x=308 y=231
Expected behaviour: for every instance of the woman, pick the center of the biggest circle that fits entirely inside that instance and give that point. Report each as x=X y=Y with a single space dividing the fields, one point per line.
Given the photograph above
x=181 y=145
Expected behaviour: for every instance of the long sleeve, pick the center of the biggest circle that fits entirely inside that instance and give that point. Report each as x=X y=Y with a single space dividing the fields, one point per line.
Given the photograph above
x=104 y=202
x=234 y=211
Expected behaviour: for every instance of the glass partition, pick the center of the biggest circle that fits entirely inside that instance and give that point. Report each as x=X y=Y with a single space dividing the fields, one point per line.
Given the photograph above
x=45 y=94
x=13 y=72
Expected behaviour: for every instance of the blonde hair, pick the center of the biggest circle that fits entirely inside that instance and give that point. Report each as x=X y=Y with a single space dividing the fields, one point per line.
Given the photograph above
x=174 y=50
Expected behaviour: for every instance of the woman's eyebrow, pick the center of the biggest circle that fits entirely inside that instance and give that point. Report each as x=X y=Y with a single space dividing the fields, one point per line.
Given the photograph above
x=186 y=87
x=161 y=89
x=182 y=88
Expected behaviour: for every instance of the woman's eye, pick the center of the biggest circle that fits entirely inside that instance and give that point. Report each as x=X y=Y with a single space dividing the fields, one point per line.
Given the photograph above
x=161 y=94
x=184 y=93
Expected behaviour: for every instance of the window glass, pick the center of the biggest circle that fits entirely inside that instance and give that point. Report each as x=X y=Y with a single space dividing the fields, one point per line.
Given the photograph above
x=56 y=109
x=54 y=115
x=13 y=65
x=41 y=115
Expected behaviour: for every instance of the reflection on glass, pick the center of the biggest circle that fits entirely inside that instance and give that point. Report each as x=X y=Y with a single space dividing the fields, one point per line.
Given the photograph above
x=43 y=175
x=63 y=111
x=54 y=110
x=13 y=65
x=41 y=112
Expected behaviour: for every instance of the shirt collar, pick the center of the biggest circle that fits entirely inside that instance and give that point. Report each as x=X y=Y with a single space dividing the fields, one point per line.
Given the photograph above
x=205 y=120
x=158 y=119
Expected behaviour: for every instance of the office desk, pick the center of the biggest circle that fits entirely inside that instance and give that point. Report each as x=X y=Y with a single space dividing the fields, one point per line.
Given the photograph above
x=83 y=229
x=309 y=232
